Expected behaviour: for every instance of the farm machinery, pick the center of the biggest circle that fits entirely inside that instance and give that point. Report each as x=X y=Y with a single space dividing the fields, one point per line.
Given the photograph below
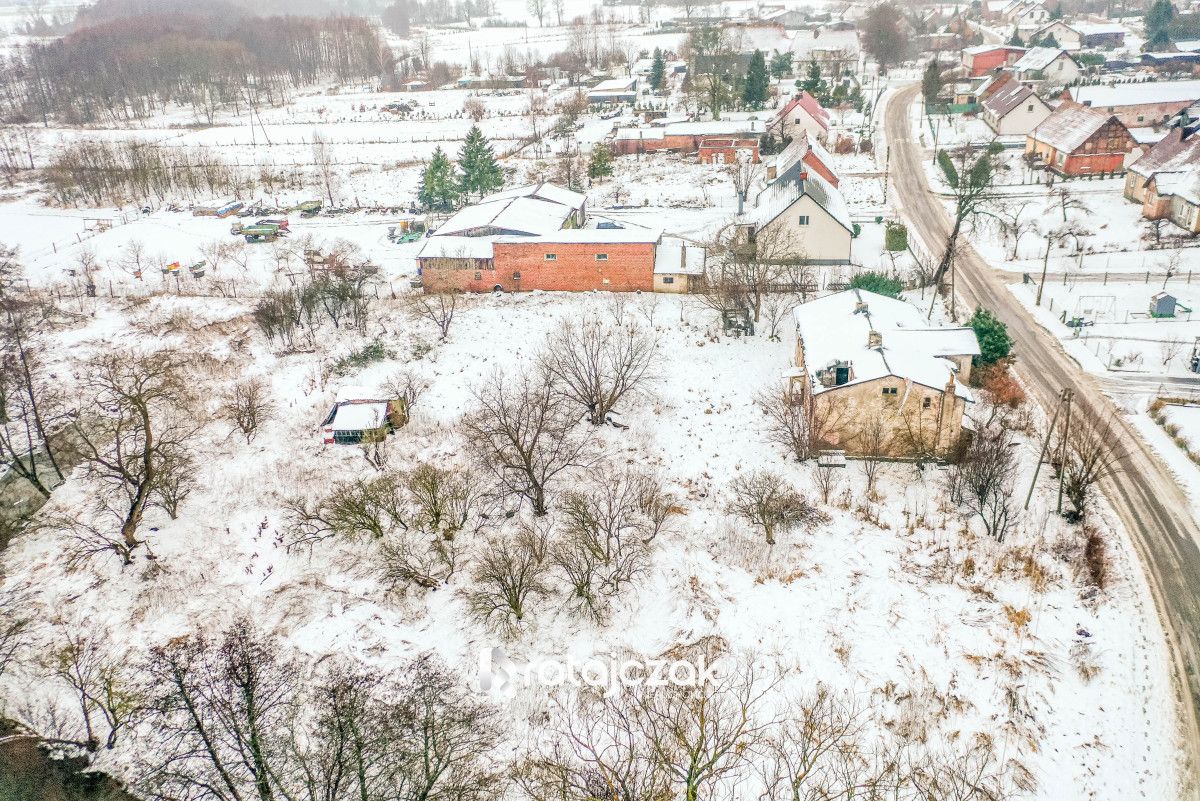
x=261 y=231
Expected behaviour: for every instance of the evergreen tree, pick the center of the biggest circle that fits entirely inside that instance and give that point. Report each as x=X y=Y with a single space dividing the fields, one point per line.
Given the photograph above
x=658 y=71
x=600 y=165
x=994 y=340
x=813 y=83
x=781 y=64
x=1057 y=13
x=931 y=82
x=480 y=171
x=1016 y=40
x=439 y=189
x=754 y=93
x=1158 y=17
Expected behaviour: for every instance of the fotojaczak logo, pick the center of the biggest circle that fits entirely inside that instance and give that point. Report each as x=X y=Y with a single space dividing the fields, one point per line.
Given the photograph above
x=495 y=670
x=499 y=675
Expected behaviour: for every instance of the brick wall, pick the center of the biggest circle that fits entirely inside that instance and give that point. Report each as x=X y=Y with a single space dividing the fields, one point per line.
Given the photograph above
x=725 y=150
x=628 y=267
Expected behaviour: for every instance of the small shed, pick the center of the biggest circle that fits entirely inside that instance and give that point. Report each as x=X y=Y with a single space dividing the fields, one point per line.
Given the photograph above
x=360 y=415
x=1162 y=304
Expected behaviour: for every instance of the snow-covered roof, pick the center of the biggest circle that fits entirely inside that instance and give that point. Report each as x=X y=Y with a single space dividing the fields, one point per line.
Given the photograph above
x=805 y=43
x=1069 y=127
x=676 y=257
x=794 y=154
x=1172 y=152
x=359 y=415
x=616 y=236
x=1097 y=28
x=1038 y=58
x=1136 y=94
x=614 y=85
x=1188 y=46
x=520 y=214
x=1182 y=183
x=789 y=188
x=830 y=330
x=1008 y=97
x=644 y=134
x=976 y=50
x=544 y=191
x=456 y=247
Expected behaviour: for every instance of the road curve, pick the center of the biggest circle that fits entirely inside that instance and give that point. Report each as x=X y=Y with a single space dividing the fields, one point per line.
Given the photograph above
x=1155 y=511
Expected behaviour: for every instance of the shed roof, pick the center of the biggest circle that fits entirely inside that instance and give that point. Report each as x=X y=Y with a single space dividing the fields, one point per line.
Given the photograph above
x=676 y=257
x=1008 y=97
x=1173 y=152
x=1038 y=58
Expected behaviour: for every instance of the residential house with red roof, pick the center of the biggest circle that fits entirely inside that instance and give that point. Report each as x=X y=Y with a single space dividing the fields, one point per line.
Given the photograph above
x=804 y=113
x=1076 y=141
x=1013 y=109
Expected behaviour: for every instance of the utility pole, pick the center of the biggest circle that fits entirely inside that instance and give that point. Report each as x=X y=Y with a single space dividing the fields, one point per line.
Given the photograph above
x=887 y=163
x=1062 y=455
x=1045 y=446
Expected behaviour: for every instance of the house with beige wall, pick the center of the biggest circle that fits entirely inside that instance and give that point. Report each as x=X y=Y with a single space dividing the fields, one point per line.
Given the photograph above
x=800 y=215
x=875 y=377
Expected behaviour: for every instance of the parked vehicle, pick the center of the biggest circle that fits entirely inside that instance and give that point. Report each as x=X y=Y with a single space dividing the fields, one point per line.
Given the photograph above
x=261 y=233
x=281 y=224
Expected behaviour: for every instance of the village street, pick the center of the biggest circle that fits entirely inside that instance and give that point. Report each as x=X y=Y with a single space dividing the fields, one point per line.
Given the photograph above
x=1148 y=501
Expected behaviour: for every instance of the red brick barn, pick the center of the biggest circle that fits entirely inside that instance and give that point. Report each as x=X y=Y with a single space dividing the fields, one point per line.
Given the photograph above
x=1077 y=141
x=617 y=260
x=720 y=150
x=982 y=59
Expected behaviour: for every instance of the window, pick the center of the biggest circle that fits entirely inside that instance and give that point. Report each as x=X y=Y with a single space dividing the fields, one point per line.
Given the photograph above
x=1141 y=117
x=668 y=279
x=478 y=275
x=551 y=256
x=601 y=257
x=804 y=219
x=1029 y=107
x=926 y=403
x=516 y=276
x=889 y=390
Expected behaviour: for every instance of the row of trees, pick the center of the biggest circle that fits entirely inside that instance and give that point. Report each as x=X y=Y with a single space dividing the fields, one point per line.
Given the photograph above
x=134 y=67
x=237 y=715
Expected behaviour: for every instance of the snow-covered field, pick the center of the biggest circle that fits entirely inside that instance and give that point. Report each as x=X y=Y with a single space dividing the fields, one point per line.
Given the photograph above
x=894 y=599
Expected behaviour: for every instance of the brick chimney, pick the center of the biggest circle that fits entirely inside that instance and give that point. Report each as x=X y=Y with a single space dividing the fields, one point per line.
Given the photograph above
x=874 y=339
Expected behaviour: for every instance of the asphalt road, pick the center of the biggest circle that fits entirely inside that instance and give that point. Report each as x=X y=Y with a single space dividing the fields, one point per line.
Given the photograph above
x=1153 y=508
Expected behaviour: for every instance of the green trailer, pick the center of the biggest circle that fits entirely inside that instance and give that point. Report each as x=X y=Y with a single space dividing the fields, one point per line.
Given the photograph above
x=261 y=233
x=309 y=208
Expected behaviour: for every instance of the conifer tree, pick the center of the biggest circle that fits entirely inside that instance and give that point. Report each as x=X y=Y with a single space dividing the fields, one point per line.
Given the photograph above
x=781 y=64
x=481 y=172
x=813 y=83
x=600 y=165
x=658 y=71
x=439 y=188
x=754 y=93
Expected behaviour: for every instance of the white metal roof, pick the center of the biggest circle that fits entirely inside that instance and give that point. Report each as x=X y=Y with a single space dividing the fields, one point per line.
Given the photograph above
x=830 y=331
x=359 y=415
x=567 y=236
x=521 y=214
x=1135 y=94
x=1038 y=58
x=676 y=257
x=456 y=247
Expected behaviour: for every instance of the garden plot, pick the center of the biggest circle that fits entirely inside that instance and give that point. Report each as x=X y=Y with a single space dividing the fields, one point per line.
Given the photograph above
x=1117 y=331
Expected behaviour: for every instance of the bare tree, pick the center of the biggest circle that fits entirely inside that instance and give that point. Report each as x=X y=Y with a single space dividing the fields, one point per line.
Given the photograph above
x=1093 y=452
x=323 y=163
x=1065 y=200
x=508 y=574
x=405 y=388
x=134 y=426
x=983 y=480
x=800 y=426
x=766 y=500
x=596 y=365
x=249 y=405
x=102 y=686
x=15 y=625
x=1014 y=224
x=1168 y=349
x=560 y=7
x=475 y=108
x=971 y=174
x=874 y=442
x=827 y=480
x=607 y=531
x=744 y=266
x=775 y=310
x=743 y=173
x=821 y=752
x=524 y=433
x=437 y=307
x=705 y=733
x=538 y=9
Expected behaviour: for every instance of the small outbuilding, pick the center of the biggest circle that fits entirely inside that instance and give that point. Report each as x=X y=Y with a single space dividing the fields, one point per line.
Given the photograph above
x=360 y=415
x=1162 y=304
